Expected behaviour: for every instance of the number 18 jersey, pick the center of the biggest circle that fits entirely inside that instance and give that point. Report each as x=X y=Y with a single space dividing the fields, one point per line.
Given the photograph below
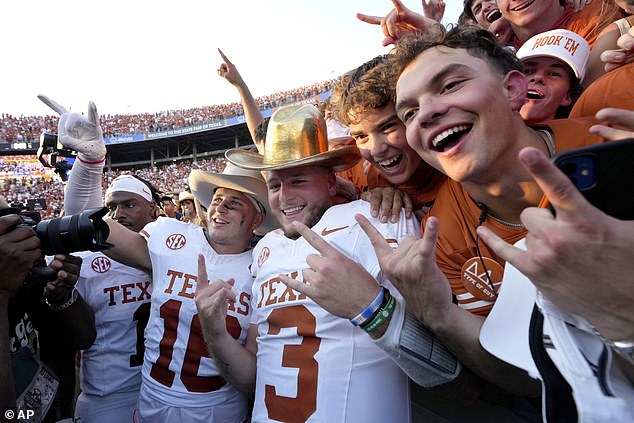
x=177 y=369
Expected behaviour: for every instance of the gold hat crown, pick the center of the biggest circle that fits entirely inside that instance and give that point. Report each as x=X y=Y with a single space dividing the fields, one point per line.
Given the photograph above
x=296 y=136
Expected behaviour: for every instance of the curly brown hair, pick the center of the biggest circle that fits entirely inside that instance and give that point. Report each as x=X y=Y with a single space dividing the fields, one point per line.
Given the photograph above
x=360 y=90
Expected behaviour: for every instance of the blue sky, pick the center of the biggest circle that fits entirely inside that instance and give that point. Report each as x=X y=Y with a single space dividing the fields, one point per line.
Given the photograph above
x=138 y=55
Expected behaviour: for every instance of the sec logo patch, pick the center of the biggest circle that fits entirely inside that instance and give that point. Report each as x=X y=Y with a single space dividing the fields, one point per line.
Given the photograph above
x=175 y=241
x=100 y=264
x=264 y=255
x=474 y=277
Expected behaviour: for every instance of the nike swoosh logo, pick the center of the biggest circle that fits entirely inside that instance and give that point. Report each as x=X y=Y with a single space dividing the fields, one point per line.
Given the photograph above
x=327 y=231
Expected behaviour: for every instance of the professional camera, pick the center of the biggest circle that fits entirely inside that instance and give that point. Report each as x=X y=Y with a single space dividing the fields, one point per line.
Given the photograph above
x=64 y=235
x=49 y=145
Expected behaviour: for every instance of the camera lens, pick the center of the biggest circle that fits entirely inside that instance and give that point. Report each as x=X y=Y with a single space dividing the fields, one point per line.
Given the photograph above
x=79 y=232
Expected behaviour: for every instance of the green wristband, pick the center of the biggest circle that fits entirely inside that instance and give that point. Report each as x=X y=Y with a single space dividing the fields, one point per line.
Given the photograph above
x=384 y=314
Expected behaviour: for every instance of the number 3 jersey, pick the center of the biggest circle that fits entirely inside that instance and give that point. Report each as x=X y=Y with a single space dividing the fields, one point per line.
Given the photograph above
x=311 y=365
x=178 y=369
x=120 y=298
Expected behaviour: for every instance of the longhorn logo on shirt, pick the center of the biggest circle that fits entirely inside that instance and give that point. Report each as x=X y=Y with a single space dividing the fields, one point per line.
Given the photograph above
x=264 y=255
x=100 y=264
x=175 y=241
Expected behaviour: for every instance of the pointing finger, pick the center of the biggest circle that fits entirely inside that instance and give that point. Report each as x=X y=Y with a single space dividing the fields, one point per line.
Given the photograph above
x=296 y=285
x=500 y=247
x=52 y=104
x=381 y=246
x=202 y=273
x=399 y=6
x=373 y=20
x=224 y=58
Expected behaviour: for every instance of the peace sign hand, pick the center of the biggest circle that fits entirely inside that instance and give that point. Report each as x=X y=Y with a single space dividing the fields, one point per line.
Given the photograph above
x=338 y=284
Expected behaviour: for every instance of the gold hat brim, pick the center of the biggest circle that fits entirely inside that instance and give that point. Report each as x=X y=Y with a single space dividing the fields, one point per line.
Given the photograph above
x=338 y=160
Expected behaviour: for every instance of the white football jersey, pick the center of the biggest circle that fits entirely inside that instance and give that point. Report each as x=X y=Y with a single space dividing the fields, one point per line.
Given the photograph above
x=120 y=298
x=177 y=367
x=311 y=365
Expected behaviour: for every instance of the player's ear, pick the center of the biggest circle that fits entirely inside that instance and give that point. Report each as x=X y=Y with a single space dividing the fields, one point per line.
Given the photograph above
x=259 y=218
x=332 y=183
x=515 y=87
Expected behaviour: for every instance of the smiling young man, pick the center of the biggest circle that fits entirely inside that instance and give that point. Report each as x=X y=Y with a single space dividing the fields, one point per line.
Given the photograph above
x=555 y=63
x=459 y=94
x=362 y=102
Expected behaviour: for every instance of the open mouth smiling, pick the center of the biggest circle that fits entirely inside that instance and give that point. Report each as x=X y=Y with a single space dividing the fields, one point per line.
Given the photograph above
x=292 y=210
x=522 y=6
x=391 y=163
x=493 y=16
x=534 y=95
x=449 y=138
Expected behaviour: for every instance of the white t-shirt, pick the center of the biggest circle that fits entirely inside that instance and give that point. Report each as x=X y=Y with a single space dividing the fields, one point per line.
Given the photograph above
x=177 y=367
x=311 y=365
x=120 y=298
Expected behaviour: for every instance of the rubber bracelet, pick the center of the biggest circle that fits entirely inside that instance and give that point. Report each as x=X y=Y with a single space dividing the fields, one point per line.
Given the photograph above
x=382 y=316
x=369 y=311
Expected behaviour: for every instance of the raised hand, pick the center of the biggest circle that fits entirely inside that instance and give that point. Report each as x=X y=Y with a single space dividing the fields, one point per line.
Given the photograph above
x=412 y=268
x=211 y=301
x=434 y=9
x=614 y=116
x=78 y=132
x=579 y=258
x=339 y=285
x=398 y=22
x=229 y=71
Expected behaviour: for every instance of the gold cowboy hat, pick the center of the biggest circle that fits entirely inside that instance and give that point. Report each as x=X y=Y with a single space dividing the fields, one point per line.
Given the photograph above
x=249 y=182
x=296 y=137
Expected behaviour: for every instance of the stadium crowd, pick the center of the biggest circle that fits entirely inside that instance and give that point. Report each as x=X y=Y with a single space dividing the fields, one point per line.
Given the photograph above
x=29 y=128
x=23 y=179
x=409 y=252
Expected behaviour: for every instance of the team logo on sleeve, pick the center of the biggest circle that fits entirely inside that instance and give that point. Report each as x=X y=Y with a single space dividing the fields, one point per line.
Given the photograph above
x=175 y=241
x=264 y=255
x=100 y=264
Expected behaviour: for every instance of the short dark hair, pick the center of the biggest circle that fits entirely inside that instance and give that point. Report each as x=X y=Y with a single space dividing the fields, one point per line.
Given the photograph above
x=476 y=41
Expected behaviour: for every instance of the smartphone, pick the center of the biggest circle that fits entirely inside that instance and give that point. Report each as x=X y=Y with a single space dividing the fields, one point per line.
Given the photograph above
x=604 y=174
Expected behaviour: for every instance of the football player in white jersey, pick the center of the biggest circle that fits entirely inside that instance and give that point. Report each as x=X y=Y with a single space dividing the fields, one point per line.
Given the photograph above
x=119 y=295
x=110 y=374
x=302 y=359
x=180 y=381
